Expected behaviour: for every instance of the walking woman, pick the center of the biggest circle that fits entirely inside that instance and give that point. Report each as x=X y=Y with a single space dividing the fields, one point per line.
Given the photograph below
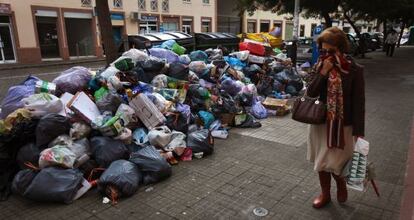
x=339 y=82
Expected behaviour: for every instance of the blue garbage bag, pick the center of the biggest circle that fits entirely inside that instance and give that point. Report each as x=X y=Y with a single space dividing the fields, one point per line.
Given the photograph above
x=206 y=117
x=231 y=87
x=199 y=55
x=235 y=63
x=140 y=136
x=168 y=44
x=13 y=98
x=164 y=54
x=258 y=110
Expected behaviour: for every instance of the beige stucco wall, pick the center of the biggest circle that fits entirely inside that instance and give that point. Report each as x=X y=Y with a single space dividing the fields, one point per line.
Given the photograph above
x=268 y=15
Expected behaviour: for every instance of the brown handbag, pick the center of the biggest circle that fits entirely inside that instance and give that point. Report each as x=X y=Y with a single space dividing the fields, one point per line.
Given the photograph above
x=309 y=110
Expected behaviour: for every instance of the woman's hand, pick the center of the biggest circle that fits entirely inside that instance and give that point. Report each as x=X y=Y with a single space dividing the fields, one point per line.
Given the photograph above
x=326 y=67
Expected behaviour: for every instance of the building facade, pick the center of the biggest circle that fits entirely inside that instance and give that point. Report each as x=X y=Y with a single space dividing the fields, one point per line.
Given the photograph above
x=32 y=31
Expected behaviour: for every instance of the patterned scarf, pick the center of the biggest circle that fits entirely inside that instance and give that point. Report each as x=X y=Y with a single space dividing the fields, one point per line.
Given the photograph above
x=335 y=102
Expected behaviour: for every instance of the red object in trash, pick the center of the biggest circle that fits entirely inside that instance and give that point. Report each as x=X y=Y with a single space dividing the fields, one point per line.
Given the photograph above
x=256 y=49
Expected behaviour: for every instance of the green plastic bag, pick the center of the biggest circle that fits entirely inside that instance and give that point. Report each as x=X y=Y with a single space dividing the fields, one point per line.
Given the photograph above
x=178 y=49
x=124 y=64
x=277 y=50
x=100 y=93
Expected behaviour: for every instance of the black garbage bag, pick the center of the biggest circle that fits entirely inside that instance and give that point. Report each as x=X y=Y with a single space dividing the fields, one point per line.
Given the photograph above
x=121 y=179
x=265 y=86
x=22 y=181
x=197 y=97
x=8 y=168
x=250 y=122
x=106 y=150
x=28 y=153
x=225 y=104
x=245 y=99
x=51 y=184
x=178 y=70
x=87 y=167
x=151 y=65
x=177 y=121
x=201 y=141
x=297 y=84
x=109 y=102
x=154 y=167
x=50 y=127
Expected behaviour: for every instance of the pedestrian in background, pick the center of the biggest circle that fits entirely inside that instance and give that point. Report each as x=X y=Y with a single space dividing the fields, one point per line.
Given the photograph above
x=339 y=82
x=390 y=42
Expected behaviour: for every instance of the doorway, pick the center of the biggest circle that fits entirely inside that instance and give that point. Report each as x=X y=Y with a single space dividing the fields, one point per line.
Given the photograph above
x=289 y=31
x=47 y=34
x=79 y=35
x=7 y=53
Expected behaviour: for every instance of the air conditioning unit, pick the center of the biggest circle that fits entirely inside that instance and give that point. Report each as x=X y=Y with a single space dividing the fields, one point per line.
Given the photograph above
x=135 y=16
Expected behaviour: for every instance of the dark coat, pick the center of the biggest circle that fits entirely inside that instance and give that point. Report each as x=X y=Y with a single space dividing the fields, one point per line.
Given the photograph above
x=353 y=87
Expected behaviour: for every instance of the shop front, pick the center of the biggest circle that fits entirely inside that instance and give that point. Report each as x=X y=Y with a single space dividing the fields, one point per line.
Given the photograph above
x=7 y=39
x=79 y=34
x=47 y=27
x=148 y=24
x=170 y=23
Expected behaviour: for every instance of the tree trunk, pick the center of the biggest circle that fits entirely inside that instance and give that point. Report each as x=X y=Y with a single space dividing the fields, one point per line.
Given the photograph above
x=401 y=33
x=384 y=25
x=328 y=20
x=362 y=45
x=105 y=26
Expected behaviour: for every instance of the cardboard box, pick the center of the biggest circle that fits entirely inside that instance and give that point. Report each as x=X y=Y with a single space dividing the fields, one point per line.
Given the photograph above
x=275 y=104
x=146 y=111
x=112 y=127
x=256 y=59
x=82 y=105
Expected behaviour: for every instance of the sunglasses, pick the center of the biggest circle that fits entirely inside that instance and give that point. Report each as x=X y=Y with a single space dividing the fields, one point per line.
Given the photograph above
x=325 y=51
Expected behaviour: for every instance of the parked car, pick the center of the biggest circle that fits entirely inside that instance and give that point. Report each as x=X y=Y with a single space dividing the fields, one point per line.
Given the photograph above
x=371 y=42
x=353 y=45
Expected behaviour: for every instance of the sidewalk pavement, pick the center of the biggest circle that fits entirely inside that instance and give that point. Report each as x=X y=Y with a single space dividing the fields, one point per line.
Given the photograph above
x=266 y=167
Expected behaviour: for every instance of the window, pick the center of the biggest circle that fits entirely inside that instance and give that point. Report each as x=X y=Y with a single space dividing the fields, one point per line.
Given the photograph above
x=251 y=26
x=206 y=2
x=86 y=3
x=206 y=25
x=302 y=30
x=141 y=5
x=186 y=1
x=117 y=3
x=187 y=26
x=165 y=5
x=264 y=26
x=279 y=26
x=154 y=5
x=313 y=26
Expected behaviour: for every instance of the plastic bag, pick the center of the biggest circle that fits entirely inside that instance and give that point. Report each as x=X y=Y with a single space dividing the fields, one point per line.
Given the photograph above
x=178 y=70
x=180 y=50
x=164 y=54
x=177 y=144
x=206 y=117
x=177 y=121
x=15 y=94
x=127 y=115
x=109 y=102
x=121 y=179
x=160 y=81
x=201 y=142
x=106 y=150
x=241 y=55
x=198 y=67
x=153 y=166
x=22 y=181
x=72 y=80
x=153 y=64
x=50 y=127
x=135 y=55
x=214 y=54
x=265 y=86
x=124 y=64
x=235 y=63
x=51 y=184
x=198 y=55
x=41 y=104
x=231 y=87
x=79 y=130
x=28 y=153
x=140 y=136
x=184 y=59
x=159 y=136
x=258 y=110
x=59 y=155
x=125 y=136
x=250 y=122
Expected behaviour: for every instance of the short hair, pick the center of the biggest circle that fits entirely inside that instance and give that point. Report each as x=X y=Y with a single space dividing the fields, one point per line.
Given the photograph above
x=335 y=37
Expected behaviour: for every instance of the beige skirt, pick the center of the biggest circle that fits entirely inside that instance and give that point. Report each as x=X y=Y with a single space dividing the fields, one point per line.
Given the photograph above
x=328 y=159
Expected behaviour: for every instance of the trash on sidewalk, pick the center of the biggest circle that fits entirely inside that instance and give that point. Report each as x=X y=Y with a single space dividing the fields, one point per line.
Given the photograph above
x=125 y=125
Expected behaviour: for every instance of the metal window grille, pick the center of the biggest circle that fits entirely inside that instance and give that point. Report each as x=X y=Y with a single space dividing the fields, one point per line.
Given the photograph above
x=117 y=3
x=86 y=2
x=141 y=5
x=154 y=5
x=165 y=5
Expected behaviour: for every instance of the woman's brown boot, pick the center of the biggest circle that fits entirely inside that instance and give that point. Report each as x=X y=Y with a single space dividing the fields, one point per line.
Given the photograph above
x=342 y=192
x=325 y=197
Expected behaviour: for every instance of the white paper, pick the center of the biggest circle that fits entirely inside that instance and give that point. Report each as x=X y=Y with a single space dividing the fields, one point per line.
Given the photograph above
x=85 y=187
x=85 y=106
x=362 y=146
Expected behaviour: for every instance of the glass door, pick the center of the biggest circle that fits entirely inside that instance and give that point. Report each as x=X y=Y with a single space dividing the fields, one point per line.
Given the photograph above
x=7 y=53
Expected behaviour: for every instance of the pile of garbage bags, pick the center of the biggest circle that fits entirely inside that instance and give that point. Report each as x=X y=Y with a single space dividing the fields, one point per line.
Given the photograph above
x=124 y=126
